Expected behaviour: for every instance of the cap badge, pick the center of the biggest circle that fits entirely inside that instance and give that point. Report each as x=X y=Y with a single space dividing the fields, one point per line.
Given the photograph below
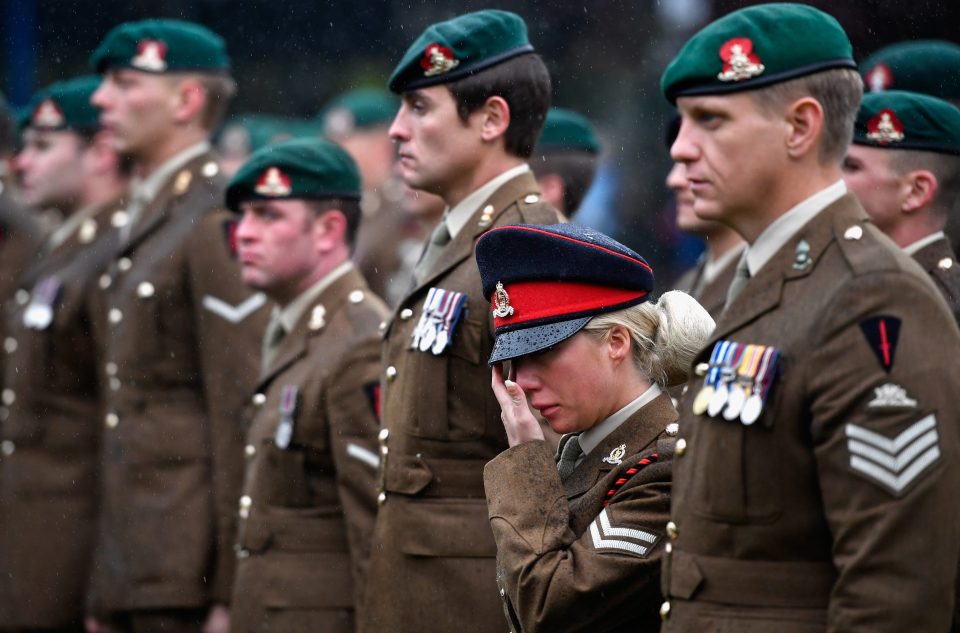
x=879 y=78
x=151 y=55
x=501 y=302
x=437 y=60
x=318 y=318
x=740 y=62
x=48 y=114
x=616 y=455
x=885 y=128
x=273 y=183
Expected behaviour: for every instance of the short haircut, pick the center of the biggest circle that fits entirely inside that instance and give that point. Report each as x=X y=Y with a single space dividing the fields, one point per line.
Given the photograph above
x=350 y=210
x=575 y=169
x=838 y=91
x=524 y=83
x=219 y=90
x=945 y=167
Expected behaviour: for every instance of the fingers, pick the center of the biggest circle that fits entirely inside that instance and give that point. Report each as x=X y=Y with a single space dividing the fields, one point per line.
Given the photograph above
x=514 y=391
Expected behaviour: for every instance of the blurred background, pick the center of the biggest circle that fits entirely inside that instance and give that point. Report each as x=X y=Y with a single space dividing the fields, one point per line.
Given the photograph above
x=606 y=56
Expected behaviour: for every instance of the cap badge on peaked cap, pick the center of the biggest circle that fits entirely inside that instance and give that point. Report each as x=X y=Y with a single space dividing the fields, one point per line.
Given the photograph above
x=151 y=55
x=437 y=60
x=48 y=114
x=501 y=302
x=740 y=62
x=273 y=183
x=885 y=127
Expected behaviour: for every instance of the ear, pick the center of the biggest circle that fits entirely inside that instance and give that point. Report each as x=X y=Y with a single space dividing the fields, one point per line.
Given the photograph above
x=921 y=188
x=496 y=118
x=330 y=231
x=552 y=189
x=190 y=99
x=804 y=127
x=619 y=343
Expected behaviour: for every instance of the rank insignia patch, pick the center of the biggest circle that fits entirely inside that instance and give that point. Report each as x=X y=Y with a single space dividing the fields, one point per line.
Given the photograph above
x=151 y=55
x=230 y=235
x=437 y=60
x=885 y=128
x=619 y=539
x=882 y=333
x=894 y=463
x=739 y=60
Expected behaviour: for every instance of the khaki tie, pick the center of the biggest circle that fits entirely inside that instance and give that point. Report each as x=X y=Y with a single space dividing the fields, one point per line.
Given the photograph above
x=438 y=240
x=740 y=279
x=271 y=342
x=569 y=456
x=138 y=202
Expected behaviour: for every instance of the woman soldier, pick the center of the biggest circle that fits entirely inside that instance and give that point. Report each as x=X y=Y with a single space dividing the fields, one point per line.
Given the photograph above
x=579 y=535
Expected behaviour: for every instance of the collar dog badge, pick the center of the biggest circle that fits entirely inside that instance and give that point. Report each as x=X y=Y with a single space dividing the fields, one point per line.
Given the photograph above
x=616 y=455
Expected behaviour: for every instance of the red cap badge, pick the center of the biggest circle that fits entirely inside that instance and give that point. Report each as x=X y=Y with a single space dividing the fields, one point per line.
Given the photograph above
x=274 y=183
x=739 y=60
x=437 y=60
x=879 y=78
x=885 y=128
x=48 y=114
x=151 y=55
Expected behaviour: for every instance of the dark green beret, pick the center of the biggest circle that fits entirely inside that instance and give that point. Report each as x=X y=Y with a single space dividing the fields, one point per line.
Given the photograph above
x=463 y=46
x=161 y=46
x=928 y=66
x=755 y=47
x=565 y=130
x=359 y=109
x=908 y=120
x=247 y=133
x=64 y=105
x=306 y=168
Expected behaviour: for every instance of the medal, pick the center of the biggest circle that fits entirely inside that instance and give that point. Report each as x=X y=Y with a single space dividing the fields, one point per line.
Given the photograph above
x=702 y=400
x=451 y=317
x=424 y=319
x=726 y=375
x=741 y=387
x=753 y=407
x=435 y=320
x=288 y=409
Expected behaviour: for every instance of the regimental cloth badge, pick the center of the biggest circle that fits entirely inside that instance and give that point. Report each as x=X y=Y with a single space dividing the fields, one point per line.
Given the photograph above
x=151 y=55
x=437 y=60
x=891 y=395
x=882 y=333
x=274 y=183
x=48 y=115
x=501 y=302
x=439 y=318
x=894 y=463
x=739 y=60
x=885 y=127
x=288 y=411
x=616 y=455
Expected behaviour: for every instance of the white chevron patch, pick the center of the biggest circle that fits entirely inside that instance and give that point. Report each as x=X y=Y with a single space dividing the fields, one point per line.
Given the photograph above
x=606 y=536
x=365 y=455
x=894 y=463
x=237 y=313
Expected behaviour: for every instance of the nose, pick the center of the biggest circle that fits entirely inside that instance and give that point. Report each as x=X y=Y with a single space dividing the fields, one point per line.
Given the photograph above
x=99 y=97
x=246 y=228
x=526 y=375
x=677 y=178
x=398 y=129
x=21 y=162
x=684 y=150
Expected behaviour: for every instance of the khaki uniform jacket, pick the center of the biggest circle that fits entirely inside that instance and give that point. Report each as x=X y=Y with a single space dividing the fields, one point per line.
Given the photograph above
x=432 y=566
x=836 y=510
x=48 y=453
x=307 y=509
x=180 y=338
x=940 y=262
x=570 y=556
x=714 y=295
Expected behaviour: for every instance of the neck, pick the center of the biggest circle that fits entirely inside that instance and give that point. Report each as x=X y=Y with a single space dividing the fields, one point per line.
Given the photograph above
x=285 y=296
x=155 y=156
x=721 y=242
x=101 y=191
x=790 y=190
x=495 y=164
x=914 y=229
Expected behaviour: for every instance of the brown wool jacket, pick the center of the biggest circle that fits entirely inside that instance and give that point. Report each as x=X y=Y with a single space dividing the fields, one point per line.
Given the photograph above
x=940 y=262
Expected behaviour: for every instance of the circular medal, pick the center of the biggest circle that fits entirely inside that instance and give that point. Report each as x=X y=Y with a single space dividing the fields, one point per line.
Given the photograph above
x=717 y=400
x=429 y=336
x=38 y=316
x=702 y=400
x=441 y=343
x=751 y=409
x=283 y=435
x=735 y=403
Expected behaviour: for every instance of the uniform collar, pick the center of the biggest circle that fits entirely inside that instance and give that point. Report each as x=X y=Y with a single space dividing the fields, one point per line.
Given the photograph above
x=457 y=217
x=591 y=438
x=713 y=267
x=911 y=249
x=290 y=314
x=786 y=226
x=147 y=188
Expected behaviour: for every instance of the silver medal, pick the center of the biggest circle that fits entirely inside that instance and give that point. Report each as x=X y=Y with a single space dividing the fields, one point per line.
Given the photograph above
x=735 y=402
x=751 y=409
x=717 y=400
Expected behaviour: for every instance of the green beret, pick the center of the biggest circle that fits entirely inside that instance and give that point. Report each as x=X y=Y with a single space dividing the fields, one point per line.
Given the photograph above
x=249 y=132
x=908 y=120
x=565 y=130
x=756 y=47
x=161 y=46
x=928 y=66
x=306 y=168
x=463 y=46
x=358 y=110
x=64 y=105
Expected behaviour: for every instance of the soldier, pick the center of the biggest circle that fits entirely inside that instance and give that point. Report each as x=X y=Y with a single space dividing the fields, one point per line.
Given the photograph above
x=242 y=135
x=565 y=159
x=48 y=471
x=815 y=483
x=309 y=500
x=904 y=168
x=390 y=237
x=179 y=335
x=474 y=96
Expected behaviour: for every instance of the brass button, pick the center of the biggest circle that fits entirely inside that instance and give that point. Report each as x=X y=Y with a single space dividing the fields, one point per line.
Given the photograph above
x=701 y=369
x=105 y=281
x=382 y=327
x=209 y=170
x=681 y=448
x=119 y=219
x=384 y=450
x=503 y=592
x=10 y=344
x=391 y=373
x=668 y=548
x=381 y=498
x=855 y=232
x=356 y=296
x=7 y=447
x=9 y=396
x=242 y=554
x=672 y=429
x=685 y=389
x=111 y=368
x=672 y=531
x=384 y=434
x=21 y=296
x=945 y=264
x=532 y=198
x=249 y=450
x=114 y=383
x=124 y=264
x=145 y=290
x=115 y=316
x=245 y=504
x=665 y=611
x=259 y=399
x=406 y=313
x=111 y=420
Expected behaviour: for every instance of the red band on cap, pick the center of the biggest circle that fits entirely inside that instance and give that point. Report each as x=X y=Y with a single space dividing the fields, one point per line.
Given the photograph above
x=535 y=300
